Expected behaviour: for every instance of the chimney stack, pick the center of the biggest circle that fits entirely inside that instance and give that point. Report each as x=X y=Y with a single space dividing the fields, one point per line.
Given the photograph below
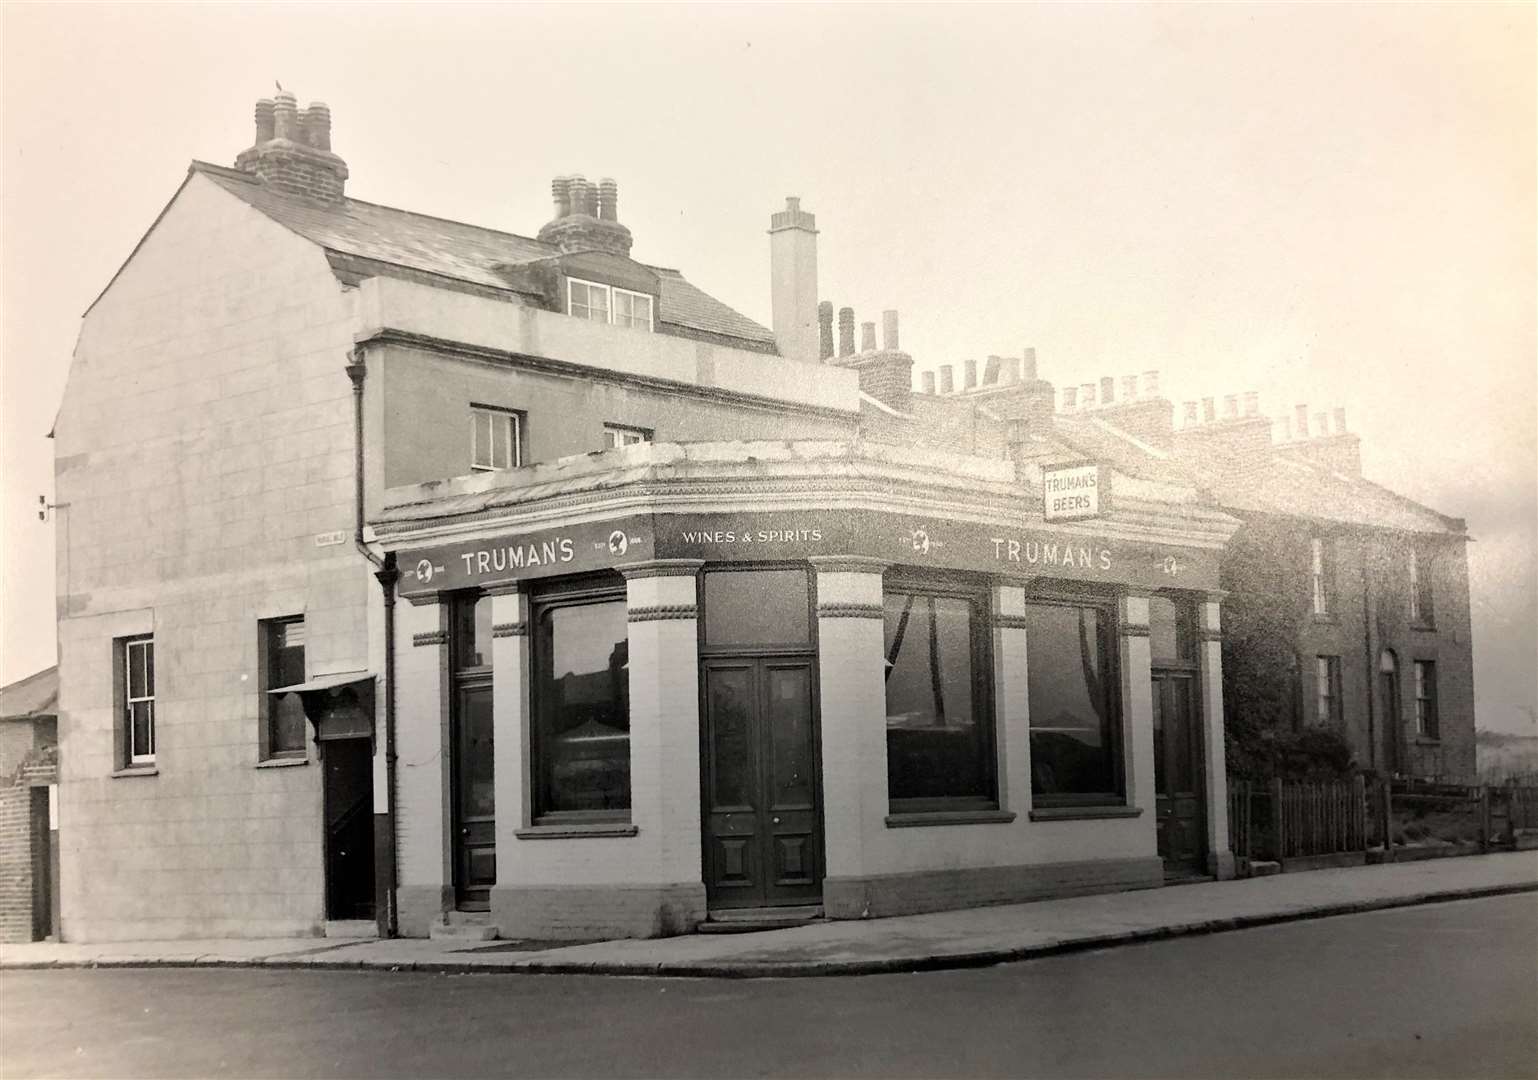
x=971 y=375
x=845 y=331
x=1301 y=413
x=946 y=383
x=867 y=337
x=825 y=330
x=928 y=379
x=586 y=217
x=1107 y=389
x=292 y=151
x=889 y=331
x=793 y=282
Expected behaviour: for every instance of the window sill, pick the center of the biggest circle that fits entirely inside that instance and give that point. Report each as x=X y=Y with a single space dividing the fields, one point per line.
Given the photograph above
x=1084 y=813
x=135 y=770
x=575 y=832
x=281 y=762
x=922 y=818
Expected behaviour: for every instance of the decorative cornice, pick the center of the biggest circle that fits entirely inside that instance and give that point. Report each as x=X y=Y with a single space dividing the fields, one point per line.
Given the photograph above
x=850 y=611
x=509 y=629
x=661 y=568
x=848 y=564
x=663 y=611
x=1011 y=622
x=431 y=637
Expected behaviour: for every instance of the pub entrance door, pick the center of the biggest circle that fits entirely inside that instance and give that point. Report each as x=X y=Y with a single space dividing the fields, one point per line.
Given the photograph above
x=763 y=822
x=1178 y=783
x=475 y=836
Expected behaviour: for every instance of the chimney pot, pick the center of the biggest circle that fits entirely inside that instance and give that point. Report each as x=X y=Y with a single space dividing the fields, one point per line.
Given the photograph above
x=1300 y=414
x=318 y=124
x=1189 y=419
x=867 y=337
x=1340 y=420
x=285 y=117
x=1087 y=395
x=825 y=331
x=846 y=331
x=1029 y=365
x=1321 y=425
x=1128 y=387
x=608 y=199
x=946 y=382
x=889 y=330
x=971 y=375
x=928 y=379
x=1251 y=403
x=264 y=121
x=560 y=191
x=1231 y=406
x=992 y=370
x=1070 y=398
x=1107 y=389
x=1209 y=410
x=1011 y=372
x=1150 y=384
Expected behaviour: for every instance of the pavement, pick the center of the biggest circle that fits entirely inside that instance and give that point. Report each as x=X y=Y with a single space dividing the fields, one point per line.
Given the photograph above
x=949 y=939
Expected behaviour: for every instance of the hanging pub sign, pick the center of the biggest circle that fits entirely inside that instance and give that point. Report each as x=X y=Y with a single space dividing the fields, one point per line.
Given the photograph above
x=1072 y=492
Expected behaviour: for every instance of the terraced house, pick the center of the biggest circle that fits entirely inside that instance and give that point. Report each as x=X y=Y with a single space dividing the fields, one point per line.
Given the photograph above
x=416 y=575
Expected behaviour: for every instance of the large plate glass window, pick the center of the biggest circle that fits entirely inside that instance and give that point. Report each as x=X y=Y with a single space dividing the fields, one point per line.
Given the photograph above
x=1075 y=725
x=939 y=711
x=581 y=705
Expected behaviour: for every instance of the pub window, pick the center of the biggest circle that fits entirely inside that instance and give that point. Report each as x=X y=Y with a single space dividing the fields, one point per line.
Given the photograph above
x=281 y=663
x=496 y=439
x=1427 y=723
x=939 y=709
x=1319 y=577
x=136 y=699
x=1072 y=690
x=581 y=738
x=1327 y=690
x=1172 y=631
x=1420 y=589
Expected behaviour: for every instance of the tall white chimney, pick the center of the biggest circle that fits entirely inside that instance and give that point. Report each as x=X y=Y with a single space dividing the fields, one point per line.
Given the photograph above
x=793 y=281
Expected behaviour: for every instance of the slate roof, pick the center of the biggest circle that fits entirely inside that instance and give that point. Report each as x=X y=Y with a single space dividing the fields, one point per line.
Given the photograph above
x=1287 y=486
x=460 y=252
x=36 y=695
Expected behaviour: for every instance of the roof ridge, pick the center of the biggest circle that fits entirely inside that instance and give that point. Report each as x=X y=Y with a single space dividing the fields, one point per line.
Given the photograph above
x=236 y=174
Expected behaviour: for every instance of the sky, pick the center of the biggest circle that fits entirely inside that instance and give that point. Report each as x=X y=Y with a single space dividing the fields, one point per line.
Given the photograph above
x=1331 y=204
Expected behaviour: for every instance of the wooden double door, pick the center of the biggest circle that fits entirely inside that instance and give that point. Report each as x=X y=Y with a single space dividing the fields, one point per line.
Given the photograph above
x=762 y=789
x=1178 y=781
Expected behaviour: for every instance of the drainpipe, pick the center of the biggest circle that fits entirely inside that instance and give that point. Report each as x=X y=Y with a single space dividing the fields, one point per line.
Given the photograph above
x=387 y=575
x=1372 y=667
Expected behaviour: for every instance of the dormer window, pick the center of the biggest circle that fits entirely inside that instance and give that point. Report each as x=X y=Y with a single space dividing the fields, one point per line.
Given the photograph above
x=608 y=304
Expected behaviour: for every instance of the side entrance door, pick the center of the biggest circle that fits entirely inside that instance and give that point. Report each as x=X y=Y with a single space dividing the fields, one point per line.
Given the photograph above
x=475 y=836
x=1178 y=787
x=349 y=811
x=763 y=822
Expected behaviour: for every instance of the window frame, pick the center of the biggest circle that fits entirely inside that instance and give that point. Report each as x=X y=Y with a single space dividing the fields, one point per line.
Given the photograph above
x=644 y=435
x=1116 y=721
x=979 y=596
x=514 y=440
x=1327 y=690
x=1321 y=584
x=1422 y=597
x=569 y=592
x=1428 y=719
x=126 y=648
x=266 y=705
x=611 y=310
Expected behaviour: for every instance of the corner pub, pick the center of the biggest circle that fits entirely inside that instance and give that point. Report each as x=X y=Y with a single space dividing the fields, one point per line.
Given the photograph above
x=729 y=678
x=602 y=609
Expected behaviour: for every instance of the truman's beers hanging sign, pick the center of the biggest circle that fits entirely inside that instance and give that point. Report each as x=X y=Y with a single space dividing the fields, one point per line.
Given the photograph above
x=1071 y=492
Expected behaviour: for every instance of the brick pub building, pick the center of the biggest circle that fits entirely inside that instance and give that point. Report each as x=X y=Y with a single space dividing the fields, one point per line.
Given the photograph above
x=427 y=574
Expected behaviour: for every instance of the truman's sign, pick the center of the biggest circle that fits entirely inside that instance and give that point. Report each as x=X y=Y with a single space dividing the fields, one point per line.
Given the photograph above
x=1042 y=551
x=1073 y=492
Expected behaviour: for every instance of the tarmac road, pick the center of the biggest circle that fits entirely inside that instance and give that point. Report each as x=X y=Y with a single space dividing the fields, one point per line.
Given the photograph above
x=1441 y=990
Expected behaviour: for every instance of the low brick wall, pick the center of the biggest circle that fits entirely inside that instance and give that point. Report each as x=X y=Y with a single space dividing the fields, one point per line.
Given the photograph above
x=944 y=890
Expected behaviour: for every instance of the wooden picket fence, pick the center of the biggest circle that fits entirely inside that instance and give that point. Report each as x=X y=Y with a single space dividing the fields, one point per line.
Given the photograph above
x=1279 y=821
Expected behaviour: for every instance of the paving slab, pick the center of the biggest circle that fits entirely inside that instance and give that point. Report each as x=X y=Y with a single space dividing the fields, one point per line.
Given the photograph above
x=849 y=947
